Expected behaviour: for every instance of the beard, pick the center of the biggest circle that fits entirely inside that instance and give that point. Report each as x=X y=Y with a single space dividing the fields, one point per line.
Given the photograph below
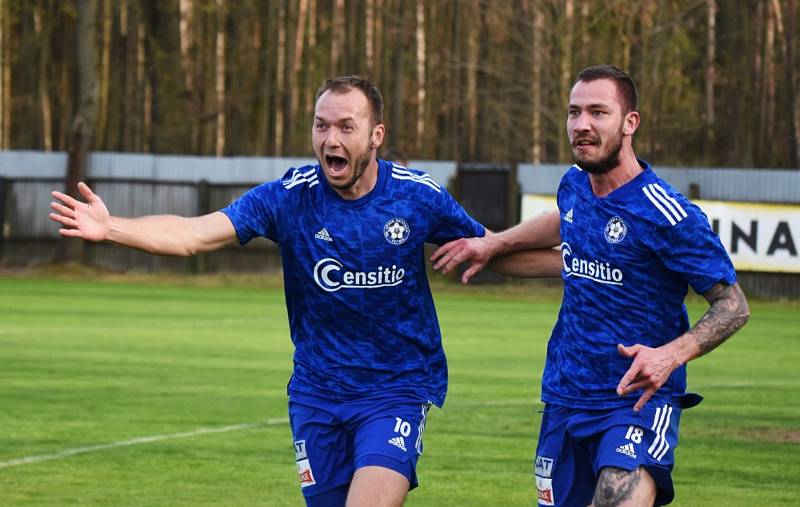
x=605 y=164
x=359 y=166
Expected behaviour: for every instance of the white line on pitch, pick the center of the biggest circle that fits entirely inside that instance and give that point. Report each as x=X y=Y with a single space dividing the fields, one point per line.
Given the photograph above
x=139 y=440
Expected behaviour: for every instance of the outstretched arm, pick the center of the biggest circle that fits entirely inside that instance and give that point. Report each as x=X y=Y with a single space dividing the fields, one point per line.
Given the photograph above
x=651 y=368
x=541 y=232
x=159 y=234
x=538 y=263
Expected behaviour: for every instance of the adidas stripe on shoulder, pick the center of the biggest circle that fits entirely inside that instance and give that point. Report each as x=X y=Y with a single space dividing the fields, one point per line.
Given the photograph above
x=401 y=173
x=665 y=203
x=299 y=178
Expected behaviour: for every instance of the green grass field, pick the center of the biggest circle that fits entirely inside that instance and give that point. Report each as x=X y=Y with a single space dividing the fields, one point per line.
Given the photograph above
x=109 y=390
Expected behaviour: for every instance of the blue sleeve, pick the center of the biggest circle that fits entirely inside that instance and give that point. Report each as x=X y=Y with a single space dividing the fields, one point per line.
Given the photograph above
x=692 y=249
x=453 y=222
x=256 y=212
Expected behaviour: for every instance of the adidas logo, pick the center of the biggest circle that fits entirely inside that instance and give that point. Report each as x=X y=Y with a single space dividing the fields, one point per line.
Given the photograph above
x=627 y=450
x=398 y=442
x=323 y=235
x=568 y=216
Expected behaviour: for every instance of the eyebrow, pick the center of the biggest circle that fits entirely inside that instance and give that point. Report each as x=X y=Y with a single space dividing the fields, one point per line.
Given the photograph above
x=347 y=118
x=599 y=105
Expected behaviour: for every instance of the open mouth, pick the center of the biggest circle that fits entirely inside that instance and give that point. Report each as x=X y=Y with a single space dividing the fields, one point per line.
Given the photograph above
x=336 y=164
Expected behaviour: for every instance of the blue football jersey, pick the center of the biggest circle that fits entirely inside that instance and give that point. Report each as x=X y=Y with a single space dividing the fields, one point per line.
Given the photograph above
x=361 y=314
x=628 y=260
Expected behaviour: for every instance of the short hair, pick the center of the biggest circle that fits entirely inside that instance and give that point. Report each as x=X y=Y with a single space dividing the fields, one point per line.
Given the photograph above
x=344 y=84
x=626 y=87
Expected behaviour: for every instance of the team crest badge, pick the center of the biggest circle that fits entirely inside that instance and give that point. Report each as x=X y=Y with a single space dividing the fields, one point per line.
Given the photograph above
x=396 y=231
x=615 y=230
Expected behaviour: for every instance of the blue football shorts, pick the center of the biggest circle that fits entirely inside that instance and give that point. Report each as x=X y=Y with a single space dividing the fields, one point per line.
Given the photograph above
x=575 y=444
x=332 y=439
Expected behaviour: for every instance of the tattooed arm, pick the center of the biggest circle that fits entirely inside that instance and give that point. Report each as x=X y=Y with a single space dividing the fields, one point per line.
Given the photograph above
x=651 y=368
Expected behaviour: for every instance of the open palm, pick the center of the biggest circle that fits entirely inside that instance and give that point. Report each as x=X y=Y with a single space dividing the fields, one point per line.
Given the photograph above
x=88 y=220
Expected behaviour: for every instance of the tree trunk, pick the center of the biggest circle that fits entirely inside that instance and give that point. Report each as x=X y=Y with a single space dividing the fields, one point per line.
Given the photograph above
x=82 y=131
x=42 y=30
x=369 y=48
x=421 y=77
x=793 y=78
x=280 y=78
x=337 y=35
x=5 y=78
x=566 y=73
x=536 y=83
x=219 y=145
x=768 y=87
x=292 y=79
x=105 y=71
x=711 y=74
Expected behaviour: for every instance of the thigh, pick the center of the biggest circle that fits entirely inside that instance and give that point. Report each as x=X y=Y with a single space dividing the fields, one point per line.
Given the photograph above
x=323 y=449
x=645 y=440
x=563 y=470
x=389 y=435
x=376 y=486
x=624 y=488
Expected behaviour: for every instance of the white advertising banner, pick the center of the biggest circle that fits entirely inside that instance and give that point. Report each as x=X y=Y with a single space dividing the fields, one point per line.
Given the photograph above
x=758 y=237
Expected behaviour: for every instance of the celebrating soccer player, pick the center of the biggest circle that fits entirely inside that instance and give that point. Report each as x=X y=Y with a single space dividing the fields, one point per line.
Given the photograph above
x=368 y=359
x=614 y=382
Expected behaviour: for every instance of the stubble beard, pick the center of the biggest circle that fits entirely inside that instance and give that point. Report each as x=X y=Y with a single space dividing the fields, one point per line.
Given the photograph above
x=359 y=166
x=606 y=163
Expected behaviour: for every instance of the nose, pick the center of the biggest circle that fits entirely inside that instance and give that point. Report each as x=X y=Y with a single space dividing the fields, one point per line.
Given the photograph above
x=579 y=123
x=331 y=137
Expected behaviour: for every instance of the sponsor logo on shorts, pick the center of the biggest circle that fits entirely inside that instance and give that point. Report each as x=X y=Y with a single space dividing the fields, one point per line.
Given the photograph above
x=544 y=466
x=300 y=450
x=303 y=464
x=398 y=442
x=627 y=450
x=305 y=473
x=544 y=488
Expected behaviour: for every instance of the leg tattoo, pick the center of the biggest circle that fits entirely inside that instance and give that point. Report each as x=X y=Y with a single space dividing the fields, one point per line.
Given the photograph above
x=615 y=486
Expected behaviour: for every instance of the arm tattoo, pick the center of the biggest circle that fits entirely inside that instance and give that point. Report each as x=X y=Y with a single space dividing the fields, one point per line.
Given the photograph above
x=728 y=312
x=615 y=486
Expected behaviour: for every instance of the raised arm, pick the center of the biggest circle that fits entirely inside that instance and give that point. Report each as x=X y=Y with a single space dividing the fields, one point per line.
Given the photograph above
x=541 y=232
x=727 y=313
x=158 y=234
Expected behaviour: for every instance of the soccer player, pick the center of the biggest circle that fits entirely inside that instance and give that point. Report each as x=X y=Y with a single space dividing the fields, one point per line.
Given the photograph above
x=368 y=359
x=614 y=382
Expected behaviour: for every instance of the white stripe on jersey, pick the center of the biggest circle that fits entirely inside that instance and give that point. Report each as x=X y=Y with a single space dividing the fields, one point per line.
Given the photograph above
x=299 y=178
x=663 y=205
x=660 y=446
x=404 y=174
x=670 y=199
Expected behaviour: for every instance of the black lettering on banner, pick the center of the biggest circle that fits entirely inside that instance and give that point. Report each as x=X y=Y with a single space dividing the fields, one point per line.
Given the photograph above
x=782 y=239
x=715 y=226
x=750 y=239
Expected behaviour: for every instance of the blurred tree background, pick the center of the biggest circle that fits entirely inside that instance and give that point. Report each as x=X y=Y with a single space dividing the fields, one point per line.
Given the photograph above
x=478 y=80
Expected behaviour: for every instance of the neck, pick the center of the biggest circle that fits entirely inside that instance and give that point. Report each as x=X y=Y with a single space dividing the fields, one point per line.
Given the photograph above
x=628 y=168
x=364 y=184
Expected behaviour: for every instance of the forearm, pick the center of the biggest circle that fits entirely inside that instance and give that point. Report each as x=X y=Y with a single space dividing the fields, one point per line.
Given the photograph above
x=540 y=232
x=539 y=263
x=172 y=234
x=727 y=313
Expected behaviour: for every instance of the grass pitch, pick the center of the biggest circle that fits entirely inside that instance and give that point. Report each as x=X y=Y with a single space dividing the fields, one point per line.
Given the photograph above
x=172 y=393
